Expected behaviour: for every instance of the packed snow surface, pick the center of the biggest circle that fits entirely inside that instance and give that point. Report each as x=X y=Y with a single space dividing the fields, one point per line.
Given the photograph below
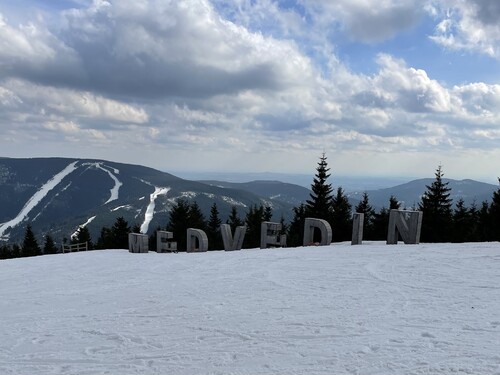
x=369 y=309
x=37 y=197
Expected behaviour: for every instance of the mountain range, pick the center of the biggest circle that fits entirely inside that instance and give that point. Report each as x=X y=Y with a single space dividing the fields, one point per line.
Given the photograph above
x=57 y=195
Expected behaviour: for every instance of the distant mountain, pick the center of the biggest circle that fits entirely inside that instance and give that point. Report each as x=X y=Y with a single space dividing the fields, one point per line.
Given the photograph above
x=56 y=195
x=275 y=191
x=410 y=194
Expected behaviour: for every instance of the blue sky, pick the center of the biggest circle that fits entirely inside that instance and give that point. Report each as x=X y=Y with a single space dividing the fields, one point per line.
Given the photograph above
x=384 y=88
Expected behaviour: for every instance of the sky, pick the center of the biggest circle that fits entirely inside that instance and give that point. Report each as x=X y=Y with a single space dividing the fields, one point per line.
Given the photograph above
x=383 y=88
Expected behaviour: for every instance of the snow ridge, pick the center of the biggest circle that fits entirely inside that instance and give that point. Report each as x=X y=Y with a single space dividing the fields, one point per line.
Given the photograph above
x=151 y=207
x=36 y=198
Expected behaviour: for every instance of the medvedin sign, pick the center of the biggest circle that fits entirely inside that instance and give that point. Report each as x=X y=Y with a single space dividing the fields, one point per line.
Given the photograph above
x=404 y=223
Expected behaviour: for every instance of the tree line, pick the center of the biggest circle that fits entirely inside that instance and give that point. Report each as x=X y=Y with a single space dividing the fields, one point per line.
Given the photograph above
x=442 y=222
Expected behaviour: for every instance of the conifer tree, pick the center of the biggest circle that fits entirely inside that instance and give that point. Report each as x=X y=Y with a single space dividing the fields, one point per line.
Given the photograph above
x=49 y=246
x=105 y=240
x=234 y=220
x=30 y=244
x=5 y=251
x=483 y=228
x=364 y=207
x=179 y=223
x=461 y=222
x=381 y=219
x=295 y=232
x=83 y=235
x=494 y=215
x=341 y=217
x=436 y=207
x=253 y=221
x=213 y=229
x=196 y=219
x=119 y=233
x=16 y=251
x=268 y=213
x=319 y=205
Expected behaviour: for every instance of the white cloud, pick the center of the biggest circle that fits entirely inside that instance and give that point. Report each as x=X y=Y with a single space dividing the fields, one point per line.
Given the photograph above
x=469 y=25
x=364 y=20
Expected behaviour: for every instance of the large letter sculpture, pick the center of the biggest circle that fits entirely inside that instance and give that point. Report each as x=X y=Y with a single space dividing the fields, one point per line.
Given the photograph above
x=138 y=243
x=232 y=243
x=164 y=243
x=407 y=224
x=270 y=235
x=357 y=228
x=323 y=226
x=196 y=237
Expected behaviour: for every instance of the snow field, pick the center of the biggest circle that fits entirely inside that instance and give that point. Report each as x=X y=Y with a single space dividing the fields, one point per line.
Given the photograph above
x=341 y=309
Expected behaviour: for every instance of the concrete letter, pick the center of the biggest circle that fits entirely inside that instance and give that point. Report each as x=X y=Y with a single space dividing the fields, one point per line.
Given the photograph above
x=196 y=237
x=407 y=223
x=324 y=227
x=357 y=228
x=230 y=243
x=164 y=243
x=270 y=237
x=138 y=243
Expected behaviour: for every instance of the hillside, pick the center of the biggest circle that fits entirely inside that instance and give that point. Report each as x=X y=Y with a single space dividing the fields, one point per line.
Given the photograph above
x=56 y=195
x=272 y=190
x=409 y=194
x=369 y=309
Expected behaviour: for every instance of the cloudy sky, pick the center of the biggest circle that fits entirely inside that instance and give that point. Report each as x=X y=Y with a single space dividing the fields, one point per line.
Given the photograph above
x=386 y=87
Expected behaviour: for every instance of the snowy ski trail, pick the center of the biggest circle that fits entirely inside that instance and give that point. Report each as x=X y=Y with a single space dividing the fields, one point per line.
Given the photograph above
x=150 y=210
x=114 y=191
x=37 y=197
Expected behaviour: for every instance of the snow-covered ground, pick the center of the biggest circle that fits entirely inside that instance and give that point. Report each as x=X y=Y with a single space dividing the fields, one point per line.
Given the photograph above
x=370 y=309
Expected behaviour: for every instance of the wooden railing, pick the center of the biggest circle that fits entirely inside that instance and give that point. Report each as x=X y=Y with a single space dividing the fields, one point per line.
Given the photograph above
x=75 y=247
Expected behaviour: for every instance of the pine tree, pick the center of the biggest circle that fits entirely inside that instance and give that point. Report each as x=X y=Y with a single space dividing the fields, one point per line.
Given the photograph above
x=364 y=207
x=5 y=251
x=234 y=220
x=213 y=229
x=196 y=218
x=179 y=223
x=436 y=208
x=105 y=240
x=119 y=233
x=82 y=236
x=494 y=215
x=483 y=228
x=16 y=251
x=30 y=244
x=341 y=217
x=295 y=232
x=268 y=213
x=461 y=222
x=320 y=204
x=253 y=221
x=49 y=246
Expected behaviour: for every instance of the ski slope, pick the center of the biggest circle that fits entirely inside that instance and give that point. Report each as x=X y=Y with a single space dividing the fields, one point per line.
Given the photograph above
x=36 y=199
x=369 y=309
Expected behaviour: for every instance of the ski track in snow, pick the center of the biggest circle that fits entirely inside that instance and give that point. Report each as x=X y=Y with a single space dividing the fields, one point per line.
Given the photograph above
x=368 y=310
x=37 y=197
x=150 y=210
x=82 y=226
x=114 y=192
